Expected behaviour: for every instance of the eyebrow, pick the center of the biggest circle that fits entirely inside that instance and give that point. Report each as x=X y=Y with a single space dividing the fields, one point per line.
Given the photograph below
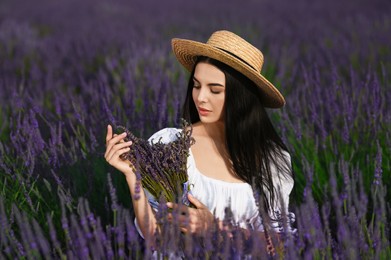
x=210 y=84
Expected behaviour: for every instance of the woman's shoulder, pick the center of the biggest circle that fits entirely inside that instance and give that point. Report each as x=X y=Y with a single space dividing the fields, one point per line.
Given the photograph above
x=165 y=135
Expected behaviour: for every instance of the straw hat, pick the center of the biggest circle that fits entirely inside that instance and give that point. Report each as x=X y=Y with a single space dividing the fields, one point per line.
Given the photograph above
x=234 y=51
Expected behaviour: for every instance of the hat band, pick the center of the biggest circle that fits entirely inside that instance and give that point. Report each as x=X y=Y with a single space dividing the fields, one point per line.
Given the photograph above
x=230 y=53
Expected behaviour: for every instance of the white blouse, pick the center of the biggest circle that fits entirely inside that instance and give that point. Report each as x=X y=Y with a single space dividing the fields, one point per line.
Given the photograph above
x=217 y=194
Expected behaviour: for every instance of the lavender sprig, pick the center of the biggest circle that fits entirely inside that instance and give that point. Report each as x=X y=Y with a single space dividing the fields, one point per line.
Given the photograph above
x=162 y=168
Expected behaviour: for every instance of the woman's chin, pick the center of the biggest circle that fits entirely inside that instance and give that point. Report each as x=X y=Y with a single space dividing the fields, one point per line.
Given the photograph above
x=208 y=120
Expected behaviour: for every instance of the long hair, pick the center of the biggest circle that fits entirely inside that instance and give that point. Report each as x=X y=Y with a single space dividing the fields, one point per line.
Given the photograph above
x=252 y=142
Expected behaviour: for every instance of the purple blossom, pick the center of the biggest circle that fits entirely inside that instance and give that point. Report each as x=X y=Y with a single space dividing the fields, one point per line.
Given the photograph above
x=113 y=195
x=378 y=165
x=66 y=67
x=160 y=167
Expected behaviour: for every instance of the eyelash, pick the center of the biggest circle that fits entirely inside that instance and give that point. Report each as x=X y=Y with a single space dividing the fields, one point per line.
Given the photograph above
x=213 y=92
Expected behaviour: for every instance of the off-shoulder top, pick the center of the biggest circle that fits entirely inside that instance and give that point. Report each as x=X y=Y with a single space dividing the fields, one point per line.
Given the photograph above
x=217 y=194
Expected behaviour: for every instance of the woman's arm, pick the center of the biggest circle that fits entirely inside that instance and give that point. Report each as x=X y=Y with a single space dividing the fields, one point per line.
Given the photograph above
x=116 y=146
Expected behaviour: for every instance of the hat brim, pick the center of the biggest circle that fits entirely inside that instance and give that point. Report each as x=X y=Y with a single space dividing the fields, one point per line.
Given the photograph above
x=187 y=51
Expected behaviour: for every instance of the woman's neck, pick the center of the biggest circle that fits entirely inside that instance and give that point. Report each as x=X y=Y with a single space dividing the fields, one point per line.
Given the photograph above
x=215 y=131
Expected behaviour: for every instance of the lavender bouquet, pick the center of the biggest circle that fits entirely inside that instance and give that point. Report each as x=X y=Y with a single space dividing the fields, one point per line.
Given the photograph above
x=160 y=167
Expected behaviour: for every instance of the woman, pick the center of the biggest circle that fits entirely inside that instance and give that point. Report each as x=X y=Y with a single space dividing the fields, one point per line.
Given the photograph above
x=237 y=159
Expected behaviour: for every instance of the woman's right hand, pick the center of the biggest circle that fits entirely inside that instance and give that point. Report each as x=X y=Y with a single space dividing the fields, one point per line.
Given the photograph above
x=115 y=146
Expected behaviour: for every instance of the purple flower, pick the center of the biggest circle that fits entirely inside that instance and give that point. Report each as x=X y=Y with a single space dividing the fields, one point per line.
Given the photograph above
x=378 y=166
x=161 y=168
x=113 y=195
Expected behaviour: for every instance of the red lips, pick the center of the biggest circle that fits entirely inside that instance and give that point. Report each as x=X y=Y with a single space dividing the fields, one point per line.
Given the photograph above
x=203 y=111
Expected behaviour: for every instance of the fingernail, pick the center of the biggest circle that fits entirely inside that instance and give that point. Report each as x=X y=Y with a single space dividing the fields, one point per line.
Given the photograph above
x=169 y=204
x=124 y=133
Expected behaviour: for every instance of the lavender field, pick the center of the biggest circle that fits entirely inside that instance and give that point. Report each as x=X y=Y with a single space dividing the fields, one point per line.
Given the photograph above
x=69 y=68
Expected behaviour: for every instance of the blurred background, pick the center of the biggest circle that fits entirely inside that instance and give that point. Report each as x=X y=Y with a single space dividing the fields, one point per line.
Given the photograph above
x=69 y=68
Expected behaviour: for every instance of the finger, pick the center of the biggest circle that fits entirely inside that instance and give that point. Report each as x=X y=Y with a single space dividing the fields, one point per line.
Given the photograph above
x=116 y=148
x=113 y=141
x=109 y=134
x=123 y=145
x=195 y=202
x=170 y=205
x=117 y=154
x=183 y=210
x=180 y=212
x=191 y=228
x=184 y=230
x=192 y=212
x=184 y=223
x=121 y=141
x=176 y=206
x=182 y=219
x=175 y=222
x=110 y=151
x=116 y=138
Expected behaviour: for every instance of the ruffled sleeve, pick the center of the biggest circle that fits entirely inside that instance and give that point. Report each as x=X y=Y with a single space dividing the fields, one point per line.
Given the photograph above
x=165 y=135
x=280 y=210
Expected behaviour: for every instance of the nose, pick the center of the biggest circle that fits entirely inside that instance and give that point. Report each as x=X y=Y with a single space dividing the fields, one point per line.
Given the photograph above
x=202 y=95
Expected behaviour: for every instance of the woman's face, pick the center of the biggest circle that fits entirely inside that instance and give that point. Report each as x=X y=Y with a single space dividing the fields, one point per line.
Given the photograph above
x=209 y=92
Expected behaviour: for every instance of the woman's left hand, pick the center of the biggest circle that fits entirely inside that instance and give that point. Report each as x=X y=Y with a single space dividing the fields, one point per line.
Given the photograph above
x=195 y=220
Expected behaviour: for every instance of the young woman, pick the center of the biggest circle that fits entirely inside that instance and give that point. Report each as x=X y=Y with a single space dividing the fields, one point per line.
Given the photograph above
x=237 y=159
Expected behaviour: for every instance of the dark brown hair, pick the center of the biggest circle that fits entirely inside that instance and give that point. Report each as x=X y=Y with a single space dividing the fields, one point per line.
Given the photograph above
x=253 y=143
